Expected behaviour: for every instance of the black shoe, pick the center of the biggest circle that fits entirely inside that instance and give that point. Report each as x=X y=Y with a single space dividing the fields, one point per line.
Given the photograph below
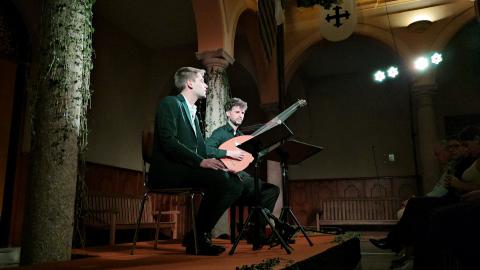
x=380 y=243
x=385 y=244
x=204 y=244
x=288 y=231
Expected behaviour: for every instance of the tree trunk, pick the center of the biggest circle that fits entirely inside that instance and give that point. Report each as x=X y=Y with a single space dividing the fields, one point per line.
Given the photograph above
x=62 y=96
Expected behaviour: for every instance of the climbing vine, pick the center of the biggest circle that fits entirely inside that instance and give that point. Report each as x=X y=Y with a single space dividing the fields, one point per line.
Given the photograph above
x=60 y=97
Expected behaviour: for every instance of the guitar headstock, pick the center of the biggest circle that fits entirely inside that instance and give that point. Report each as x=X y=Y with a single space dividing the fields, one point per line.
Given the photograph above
x=301 y=102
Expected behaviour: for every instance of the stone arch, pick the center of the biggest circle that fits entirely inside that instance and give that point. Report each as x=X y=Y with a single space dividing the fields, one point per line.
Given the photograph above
x=453 y=28
x=216 y=23
x=295 y=56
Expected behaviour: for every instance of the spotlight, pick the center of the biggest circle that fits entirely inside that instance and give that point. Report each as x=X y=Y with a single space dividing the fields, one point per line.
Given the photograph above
x=421 y=63
x=379 y=76
x=436 y=58
x=392 y=72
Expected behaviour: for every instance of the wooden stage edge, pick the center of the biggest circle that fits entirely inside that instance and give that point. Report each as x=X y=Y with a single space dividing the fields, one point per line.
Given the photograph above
x=324 y=254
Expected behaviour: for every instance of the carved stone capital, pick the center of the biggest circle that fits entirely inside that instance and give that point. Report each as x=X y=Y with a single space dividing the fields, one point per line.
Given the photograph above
x=214 y=60
x=423 y=89
x=424 y=94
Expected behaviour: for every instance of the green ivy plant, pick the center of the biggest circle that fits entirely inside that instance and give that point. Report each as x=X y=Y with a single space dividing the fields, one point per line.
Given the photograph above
x=267 y=264
x=345 y=237
x=67 y=50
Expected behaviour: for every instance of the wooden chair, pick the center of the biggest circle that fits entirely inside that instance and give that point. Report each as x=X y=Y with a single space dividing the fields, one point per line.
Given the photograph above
x=147 y=148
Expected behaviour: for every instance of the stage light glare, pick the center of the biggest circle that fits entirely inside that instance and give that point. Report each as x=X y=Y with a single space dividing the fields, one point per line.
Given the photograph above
x=392 y=72
x=421 y=63
x=436 y=58
x=379 y=76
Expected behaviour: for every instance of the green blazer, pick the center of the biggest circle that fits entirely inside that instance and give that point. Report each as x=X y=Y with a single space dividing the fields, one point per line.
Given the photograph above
x=176 y=147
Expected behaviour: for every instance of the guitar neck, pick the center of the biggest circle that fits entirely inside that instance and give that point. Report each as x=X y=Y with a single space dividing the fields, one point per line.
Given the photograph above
x=277 y=120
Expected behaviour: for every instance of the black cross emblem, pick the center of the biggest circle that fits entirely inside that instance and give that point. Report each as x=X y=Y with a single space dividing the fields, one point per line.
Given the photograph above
x=338 y=16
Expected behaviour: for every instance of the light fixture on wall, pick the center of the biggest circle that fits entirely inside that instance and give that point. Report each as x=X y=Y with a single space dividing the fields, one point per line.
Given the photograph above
x=423 y=62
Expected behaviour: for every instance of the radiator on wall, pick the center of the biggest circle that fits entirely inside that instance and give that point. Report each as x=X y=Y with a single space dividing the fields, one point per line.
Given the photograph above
x=359 y=211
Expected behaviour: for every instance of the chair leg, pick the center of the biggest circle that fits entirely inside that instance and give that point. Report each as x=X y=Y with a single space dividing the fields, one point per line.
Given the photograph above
x=194 y=225
x=139 y=219
x=240 y=216
x=157 y=230
x=233 y=224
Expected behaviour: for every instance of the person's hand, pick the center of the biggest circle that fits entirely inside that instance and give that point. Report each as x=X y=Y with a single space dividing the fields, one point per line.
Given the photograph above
x=452 y=182
x=472 y=196
x=212 y=163
x=236 y=154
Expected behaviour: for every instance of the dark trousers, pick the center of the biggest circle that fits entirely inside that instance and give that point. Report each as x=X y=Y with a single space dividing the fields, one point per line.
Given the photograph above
x=268 y=195
x=452 y=233
x=221 y=190
x=414 y=224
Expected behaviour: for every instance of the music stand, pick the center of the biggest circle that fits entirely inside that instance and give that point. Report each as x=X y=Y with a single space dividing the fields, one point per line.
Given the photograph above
x=291 y=152
x=258 y=146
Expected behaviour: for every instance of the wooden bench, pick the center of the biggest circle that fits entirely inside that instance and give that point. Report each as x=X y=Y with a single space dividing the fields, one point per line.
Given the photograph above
x=119 y=212
x=359 y=211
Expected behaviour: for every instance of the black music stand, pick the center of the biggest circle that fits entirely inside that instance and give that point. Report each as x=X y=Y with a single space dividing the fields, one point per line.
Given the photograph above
x=291 y=152
x=259 y=146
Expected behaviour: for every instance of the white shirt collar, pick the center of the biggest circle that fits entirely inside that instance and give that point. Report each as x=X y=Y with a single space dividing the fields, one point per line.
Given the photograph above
x=192 y=108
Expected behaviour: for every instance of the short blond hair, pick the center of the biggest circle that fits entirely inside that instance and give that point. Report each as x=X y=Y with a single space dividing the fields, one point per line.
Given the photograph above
x=184 y=74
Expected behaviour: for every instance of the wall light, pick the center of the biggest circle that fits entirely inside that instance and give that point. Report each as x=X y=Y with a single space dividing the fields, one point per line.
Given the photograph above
x=421 y=63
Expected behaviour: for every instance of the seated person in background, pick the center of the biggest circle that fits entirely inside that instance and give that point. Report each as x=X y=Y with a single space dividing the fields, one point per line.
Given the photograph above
x=453 y=159
x=179 y=159
x=452 y=231
x=414 y=223
x=470 y=179
x=235 y=109
x=454 y=228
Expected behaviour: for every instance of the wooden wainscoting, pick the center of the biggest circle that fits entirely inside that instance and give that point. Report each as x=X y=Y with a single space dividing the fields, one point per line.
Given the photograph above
x=353 y=201
x=106 y=179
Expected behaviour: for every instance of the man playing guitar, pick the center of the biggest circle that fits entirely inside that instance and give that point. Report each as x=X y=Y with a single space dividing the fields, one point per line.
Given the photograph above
x=235 y=110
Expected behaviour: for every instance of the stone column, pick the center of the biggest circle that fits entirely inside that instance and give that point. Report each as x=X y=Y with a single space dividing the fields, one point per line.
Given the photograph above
x=427 y=133
x=61 y=88
x=218 y=93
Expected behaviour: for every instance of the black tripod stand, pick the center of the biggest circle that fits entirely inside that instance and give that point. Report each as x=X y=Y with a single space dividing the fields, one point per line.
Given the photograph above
x=259 y=146
x=291 y=152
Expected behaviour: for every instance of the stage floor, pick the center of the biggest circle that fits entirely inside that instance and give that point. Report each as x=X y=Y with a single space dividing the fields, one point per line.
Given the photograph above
x=171 y=255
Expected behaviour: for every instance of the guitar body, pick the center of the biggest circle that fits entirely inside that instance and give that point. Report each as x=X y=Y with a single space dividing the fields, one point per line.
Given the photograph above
x=231 y=145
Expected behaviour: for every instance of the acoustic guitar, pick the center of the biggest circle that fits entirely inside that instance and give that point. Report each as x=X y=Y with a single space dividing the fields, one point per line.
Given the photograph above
x=232 y=144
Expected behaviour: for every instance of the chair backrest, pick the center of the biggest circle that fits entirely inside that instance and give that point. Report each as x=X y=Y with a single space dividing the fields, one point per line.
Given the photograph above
x=147 y=145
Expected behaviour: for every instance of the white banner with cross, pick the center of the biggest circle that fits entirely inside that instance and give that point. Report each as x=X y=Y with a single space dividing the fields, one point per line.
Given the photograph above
x=338 y=22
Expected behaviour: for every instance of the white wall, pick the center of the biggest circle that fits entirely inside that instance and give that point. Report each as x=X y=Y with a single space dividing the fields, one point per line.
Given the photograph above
x=119 y=82
x=128 y=79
